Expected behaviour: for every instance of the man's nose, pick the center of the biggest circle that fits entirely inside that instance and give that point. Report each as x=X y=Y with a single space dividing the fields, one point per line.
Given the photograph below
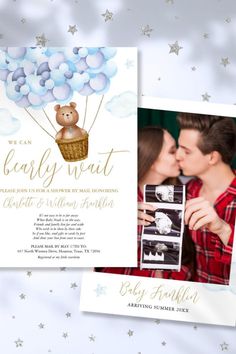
x=178 y=154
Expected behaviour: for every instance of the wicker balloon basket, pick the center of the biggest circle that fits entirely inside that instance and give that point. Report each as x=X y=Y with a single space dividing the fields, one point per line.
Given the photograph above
x=74 y=149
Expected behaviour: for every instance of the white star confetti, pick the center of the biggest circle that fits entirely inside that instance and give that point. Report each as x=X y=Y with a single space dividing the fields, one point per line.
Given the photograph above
x=129 y=63
x=206 y=97
x=41 y=40
x=19 y=343
x=92 y=338
x=72 y=29
x=225 y=61
x=130 y=333
x=224 y=346
x=146 y=30
x=100 y=290
x=108 y=16
x=175 y=48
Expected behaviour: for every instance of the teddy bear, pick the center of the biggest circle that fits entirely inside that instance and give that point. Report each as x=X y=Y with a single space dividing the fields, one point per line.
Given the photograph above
x=67 y=116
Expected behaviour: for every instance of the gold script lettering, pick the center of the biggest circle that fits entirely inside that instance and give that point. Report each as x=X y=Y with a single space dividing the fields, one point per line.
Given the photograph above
x=42 y=170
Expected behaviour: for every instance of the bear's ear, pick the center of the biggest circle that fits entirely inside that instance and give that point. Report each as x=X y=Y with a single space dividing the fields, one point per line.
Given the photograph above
x=73 y=104
x=57 y=107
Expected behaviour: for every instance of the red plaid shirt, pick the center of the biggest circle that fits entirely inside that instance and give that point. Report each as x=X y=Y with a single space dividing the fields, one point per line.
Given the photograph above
x=183 y=274
x=213 y=258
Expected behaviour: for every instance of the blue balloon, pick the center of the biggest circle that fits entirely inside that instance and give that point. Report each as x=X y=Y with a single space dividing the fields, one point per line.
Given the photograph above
x=45 y=75
x=68 y=74
x=21 y=81
x=43 y=67
x=18 y=73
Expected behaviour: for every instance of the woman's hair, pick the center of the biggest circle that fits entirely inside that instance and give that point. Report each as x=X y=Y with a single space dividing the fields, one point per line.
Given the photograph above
x=150 y=142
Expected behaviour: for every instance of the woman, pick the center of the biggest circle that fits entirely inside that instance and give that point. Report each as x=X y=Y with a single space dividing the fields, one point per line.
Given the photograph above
x=157 y=165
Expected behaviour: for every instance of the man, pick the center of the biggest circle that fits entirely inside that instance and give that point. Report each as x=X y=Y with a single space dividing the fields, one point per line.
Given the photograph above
x=207 y=145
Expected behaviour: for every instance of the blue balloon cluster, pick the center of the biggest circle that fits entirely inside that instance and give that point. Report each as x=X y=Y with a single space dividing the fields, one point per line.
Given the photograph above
x=35 y=76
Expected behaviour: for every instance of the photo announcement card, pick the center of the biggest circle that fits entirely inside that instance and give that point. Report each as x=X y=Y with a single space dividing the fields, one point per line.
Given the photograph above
x=68 y=147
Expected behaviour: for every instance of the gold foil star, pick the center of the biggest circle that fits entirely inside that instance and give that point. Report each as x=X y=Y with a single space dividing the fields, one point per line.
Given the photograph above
x=107 y=15
x=41 y=40
x=72 y=29
x=206 y=97
x=19 y=343
x=225 y=61
x=146 y=30
x=175 y=48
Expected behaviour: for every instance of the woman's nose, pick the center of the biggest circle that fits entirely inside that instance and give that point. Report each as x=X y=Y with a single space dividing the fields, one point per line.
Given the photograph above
x=178 y=154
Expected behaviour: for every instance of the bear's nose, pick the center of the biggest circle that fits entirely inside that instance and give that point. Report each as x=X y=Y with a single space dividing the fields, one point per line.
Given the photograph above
x=67 y=114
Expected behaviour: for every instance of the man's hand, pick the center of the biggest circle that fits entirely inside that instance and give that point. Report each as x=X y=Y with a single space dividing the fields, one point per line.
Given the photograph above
x=199 y=212
x=143 y=218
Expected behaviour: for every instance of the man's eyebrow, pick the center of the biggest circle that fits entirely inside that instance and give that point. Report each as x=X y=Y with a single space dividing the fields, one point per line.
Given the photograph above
x=184 y=147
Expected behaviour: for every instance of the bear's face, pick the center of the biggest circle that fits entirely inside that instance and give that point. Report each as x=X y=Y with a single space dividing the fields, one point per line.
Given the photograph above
x=66 y=116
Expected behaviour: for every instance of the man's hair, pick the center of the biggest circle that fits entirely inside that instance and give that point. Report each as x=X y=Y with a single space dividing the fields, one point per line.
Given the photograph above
x=217 y=133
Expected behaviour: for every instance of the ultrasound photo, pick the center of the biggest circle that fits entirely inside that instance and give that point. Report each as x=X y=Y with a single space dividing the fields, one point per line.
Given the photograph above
x=164 y=194
x=167 y=222
x=159 y=252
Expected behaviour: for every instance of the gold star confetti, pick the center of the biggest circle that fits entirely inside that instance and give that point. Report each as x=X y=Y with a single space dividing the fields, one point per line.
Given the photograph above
x=206 y=97
x=130 y=333
x=224 y=346
x=41 y=40
x=225 y=61
x=72 y=29
x=65 y=335
x=175 y=48
x=74 y=286
x=68 y=314
x=19 y=343
x=22 y=296
x=41 y=326
x=205 y=35
x=92 y=338
x=146 y=30
x=108 y=16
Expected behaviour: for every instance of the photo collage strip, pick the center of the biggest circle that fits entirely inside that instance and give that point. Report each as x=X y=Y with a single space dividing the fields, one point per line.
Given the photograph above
x=161 y=241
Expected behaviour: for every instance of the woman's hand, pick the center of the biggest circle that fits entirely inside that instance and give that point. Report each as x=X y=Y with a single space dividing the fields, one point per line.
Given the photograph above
x=144 y=218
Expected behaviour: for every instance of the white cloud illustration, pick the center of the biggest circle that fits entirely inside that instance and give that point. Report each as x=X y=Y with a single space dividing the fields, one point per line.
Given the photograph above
x=8 y=124
x=123 y=105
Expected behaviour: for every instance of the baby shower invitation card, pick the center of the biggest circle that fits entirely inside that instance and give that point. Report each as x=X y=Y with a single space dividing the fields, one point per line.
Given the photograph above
x=68 y=125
